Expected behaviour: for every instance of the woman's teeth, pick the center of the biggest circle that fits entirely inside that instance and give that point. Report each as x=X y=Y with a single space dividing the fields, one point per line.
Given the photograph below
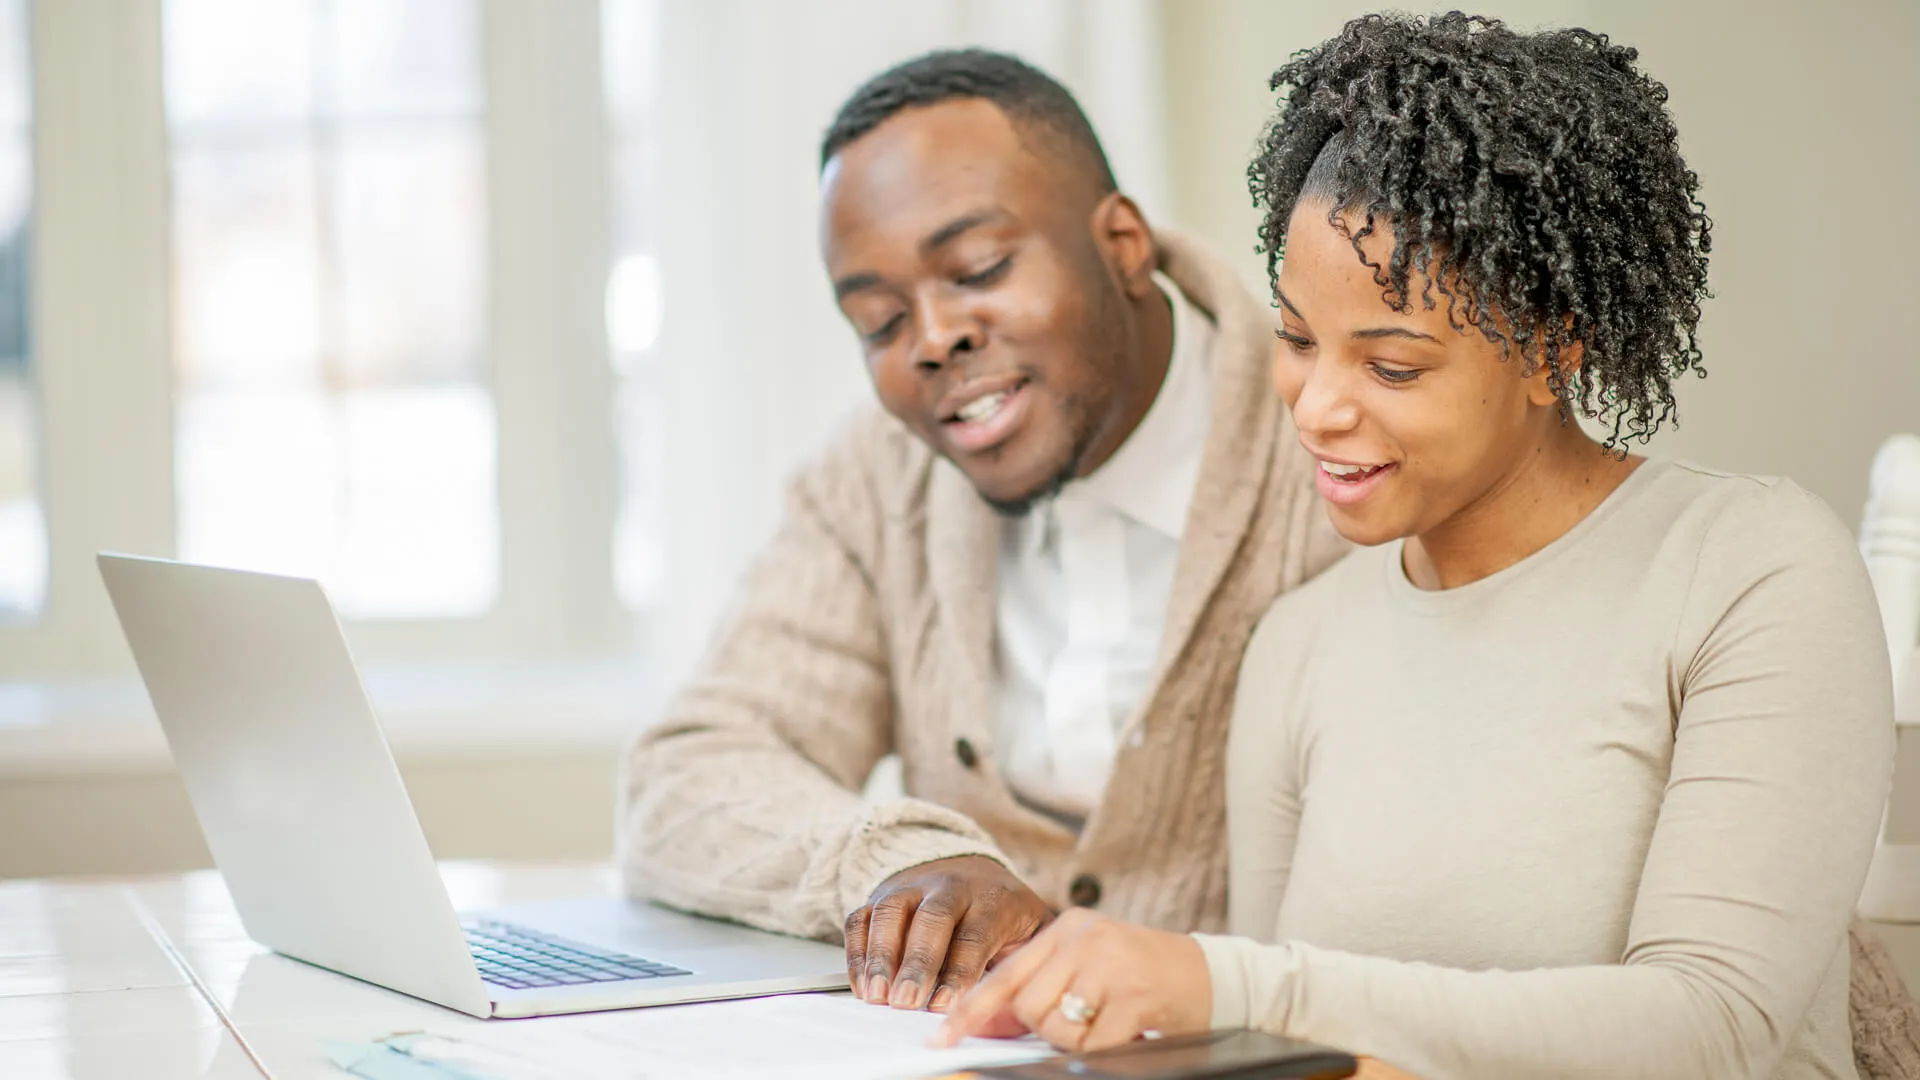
x=1350 y=472
x=981 y=408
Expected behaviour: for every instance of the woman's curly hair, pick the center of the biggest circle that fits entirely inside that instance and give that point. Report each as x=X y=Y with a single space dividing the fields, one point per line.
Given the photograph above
x=1535 y=180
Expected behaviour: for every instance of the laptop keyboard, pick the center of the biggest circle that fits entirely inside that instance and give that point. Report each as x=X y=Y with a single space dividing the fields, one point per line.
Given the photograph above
x=518 y=958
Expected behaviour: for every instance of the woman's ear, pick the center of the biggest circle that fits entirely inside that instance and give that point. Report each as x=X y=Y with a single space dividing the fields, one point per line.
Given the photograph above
x=1540 y=389
x=1126 y=241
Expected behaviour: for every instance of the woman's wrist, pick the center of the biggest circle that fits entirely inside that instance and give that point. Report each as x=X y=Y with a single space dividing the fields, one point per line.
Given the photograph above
x=1226 y=970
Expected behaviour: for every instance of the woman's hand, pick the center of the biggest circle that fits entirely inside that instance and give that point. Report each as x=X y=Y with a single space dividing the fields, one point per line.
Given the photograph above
x=1088 y=982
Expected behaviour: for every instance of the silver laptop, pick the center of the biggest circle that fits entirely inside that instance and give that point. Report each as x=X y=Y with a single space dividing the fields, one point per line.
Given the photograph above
x=304 y=810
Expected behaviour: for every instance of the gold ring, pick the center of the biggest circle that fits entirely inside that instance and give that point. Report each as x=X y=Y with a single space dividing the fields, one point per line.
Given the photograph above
x=1074 y=1009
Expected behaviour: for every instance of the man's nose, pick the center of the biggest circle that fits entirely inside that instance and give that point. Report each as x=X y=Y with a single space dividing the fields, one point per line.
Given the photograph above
x=947 y=329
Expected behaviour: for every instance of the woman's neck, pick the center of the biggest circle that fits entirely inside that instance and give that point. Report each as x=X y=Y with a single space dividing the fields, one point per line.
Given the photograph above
x=1551 y=492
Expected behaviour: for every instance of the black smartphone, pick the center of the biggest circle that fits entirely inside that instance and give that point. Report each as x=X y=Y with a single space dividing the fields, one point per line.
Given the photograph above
x=1218 y=1055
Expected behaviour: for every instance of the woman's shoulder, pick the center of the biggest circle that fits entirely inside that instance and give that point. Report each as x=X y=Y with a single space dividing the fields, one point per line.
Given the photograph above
x=1759 y=522
x=1769 y=550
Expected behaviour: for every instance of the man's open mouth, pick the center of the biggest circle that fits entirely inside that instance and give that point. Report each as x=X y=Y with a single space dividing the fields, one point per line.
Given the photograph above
x=985 y=419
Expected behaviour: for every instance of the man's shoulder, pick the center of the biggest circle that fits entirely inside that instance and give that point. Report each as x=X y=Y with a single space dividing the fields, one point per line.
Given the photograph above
x=871 y=458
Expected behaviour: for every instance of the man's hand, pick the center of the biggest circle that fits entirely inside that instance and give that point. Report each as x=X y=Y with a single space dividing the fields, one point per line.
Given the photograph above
x=927 y=934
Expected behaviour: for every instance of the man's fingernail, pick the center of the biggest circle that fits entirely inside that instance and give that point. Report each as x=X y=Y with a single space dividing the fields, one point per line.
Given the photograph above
x=859 y=986
x=906 y=994
x=942 y=999
x=877 y=990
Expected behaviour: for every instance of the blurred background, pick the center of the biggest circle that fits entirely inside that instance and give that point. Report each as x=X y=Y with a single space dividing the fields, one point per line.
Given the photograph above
x=505 y=319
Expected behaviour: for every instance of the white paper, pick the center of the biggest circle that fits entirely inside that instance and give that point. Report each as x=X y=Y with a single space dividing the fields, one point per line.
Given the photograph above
x=797 y=1037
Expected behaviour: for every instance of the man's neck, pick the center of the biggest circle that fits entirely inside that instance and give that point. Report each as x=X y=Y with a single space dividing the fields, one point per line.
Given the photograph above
x=1153 y=314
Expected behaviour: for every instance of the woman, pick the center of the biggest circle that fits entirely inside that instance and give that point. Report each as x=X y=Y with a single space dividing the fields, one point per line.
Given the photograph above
x=1576 y=769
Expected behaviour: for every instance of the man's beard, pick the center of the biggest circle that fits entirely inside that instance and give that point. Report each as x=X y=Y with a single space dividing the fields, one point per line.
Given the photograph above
x=1109 y=343
x=1014 y=509
x=1020 y=506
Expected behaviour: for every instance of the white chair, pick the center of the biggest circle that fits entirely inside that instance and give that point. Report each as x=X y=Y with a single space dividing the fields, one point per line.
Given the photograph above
x=1890 y=543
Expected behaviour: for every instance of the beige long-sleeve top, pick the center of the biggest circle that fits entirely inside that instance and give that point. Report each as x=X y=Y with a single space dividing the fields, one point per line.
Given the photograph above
x=1605 y=813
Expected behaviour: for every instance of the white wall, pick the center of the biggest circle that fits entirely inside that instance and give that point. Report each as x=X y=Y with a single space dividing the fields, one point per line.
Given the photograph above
x=1803 y=121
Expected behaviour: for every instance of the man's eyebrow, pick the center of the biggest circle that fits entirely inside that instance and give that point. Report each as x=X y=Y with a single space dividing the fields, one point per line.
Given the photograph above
x=1393 y=332
x=853 y=283
x=945 y=234
x=935 y=240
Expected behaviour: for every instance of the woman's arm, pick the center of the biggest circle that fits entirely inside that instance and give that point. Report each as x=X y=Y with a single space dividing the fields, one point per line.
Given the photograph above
x=1780 y=766
x=1263 y=791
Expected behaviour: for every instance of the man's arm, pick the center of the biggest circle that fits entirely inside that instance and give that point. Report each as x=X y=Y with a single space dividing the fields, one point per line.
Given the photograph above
x=743 y=801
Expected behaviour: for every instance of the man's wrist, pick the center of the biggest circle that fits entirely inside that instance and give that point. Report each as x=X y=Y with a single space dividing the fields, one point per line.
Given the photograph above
x=895 y=850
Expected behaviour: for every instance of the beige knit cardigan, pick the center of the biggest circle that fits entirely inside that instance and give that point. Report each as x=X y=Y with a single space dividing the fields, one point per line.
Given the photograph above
x=866 y=627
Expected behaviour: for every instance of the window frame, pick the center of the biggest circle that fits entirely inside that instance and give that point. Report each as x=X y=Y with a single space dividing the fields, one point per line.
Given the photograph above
x=102 y=244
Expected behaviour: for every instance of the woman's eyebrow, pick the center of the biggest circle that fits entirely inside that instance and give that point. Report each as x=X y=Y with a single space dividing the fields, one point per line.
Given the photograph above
x=1392 y=331
x=1367 y=334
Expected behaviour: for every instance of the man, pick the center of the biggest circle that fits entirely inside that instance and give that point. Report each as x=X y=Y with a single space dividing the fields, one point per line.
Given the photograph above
x=1031 y=573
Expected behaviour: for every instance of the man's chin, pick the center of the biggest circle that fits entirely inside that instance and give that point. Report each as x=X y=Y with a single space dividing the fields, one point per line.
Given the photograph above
x=1027 y=496
x=1013 y=509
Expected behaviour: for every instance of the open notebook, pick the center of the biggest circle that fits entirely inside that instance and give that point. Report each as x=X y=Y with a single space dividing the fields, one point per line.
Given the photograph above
x=800 y=1037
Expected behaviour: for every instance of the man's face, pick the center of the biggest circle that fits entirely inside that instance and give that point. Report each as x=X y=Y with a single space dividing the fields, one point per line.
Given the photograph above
x=992 y=322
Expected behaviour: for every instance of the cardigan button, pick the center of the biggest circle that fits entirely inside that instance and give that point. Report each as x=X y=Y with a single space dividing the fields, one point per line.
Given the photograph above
x=963 y=749
x=1085 y=891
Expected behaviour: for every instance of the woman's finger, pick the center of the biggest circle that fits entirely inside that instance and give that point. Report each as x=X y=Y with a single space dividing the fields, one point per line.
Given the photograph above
x=1002 y=1025
x=1119 y=1021
x=1037 y=1005
x=994 y=995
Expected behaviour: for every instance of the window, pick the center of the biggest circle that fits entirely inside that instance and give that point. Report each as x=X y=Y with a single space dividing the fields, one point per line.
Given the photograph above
x=317 y=288
x=330 y=213
x=629 y=43
x=23 y=535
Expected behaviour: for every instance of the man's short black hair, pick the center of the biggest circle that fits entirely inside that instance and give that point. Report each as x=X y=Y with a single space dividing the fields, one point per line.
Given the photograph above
x=1028 y=96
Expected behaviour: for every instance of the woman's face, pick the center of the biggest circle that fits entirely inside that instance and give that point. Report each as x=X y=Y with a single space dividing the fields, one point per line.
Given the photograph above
x=1414 y=422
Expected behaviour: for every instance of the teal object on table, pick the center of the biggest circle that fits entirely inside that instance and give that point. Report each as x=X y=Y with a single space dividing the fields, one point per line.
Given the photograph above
x=391 y=1059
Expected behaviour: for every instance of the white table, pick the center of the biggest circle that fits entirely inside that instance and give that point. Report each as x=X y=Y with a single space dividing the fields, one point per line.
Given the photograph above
x=154 y=979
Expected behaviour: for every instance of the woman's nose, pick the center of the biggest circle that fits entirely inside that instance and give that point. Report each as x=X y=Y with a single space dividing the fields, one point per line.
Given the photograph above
x=1325 y=404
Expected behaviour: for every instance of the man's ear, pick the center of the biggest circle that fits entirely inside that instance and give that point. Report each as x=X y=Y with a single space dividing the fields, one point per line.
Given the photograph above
x=1126 y=242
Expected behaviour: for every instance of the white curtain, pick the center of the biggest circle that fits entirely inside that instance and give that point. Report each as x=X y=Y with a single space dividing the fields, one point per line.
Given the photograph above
x=759 y=366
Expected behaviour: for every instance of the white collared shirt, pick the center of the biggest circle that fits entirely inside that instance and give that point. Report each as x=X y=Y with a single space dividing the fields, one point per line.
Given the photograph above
x=1083 y=588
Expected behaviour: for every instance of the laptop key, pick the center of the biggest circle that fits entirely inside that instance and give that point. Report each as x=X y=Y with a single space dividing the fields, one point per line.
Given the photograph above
x=509 y=955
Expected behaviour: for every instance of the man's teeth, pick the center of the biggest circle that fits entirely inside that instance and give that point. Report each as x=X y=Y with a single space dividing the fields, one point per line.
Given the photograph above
x=981 y=408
